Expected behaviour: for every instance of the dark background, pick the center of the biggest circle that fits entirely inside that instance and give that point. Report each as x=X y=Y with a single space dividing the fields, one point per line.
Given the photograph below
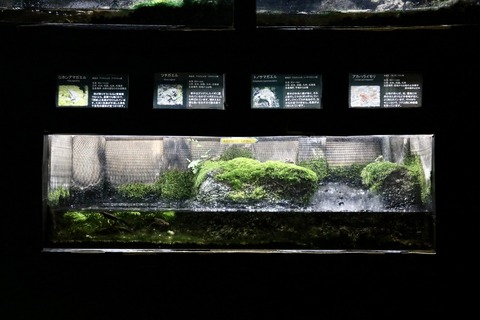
x=38 y=285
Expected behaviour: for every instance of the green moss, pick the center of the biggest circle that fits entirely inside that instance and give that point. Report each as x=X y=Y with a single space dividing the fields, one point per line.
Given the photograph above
x=376 y=172
x=154 y=3
x=75 y=217
x=319 y=166
x=176 y=184
x=78 y=225
x=168 y=215
x=236 y=152
x=350 y=175
x=175 y=3
x=57 y=196
x=249 y=194
x=286 y=180
x=414 y=165
x=223 y=229
x=138 y=191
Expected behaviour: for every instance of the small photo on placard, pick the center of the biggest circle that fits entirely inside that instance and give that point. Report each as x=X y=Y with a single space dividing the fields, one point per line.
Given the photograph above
x=286 y=91
x=189 y=91
x=92 y=91
x=396 y=90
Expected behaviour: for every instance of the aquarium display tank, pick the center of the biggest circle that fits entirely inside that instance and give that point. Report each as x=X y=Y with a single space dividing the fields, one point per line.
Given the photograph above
x=366 y=13
x=280 y=193
x=216 y=14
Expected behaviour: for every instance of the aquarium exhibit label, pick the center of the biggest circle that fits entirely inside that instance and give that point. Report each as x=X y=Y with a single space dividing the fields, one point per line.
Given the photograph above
x=396 y=90
x=92 y=91
x=189 y=91
x=238 y=140
x=286 y=91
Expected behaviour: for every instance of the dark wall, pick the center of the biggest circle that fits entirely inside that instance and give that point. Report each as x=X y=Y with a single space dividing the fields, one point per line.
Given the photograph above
x=65 y=286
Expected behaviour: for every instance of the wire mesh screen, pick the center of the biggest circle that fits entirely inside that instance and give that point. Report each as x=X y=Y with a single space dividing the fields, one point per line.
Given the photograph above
x=205 y=148
x=88 y=161
x=276 y=148
x=61 y=164
x=133 y=160
x=311 y=148
x=347 y=151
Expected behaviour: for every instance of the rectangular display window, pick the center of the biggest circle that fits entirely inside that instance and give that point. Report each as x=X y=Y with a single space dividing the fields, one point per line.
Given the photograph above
x=286 y=91
x=280 y=193
x=370 y=13
x=92 y=91
x=189 y=91
x=215 y=14
x=394 y=90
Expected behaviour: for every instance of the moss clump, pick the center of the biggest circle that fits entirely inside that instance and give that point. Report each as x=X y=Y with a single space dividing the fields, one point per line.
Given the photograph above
x=176 y=184
x=78 y=225
x=171 y=185
x=154 y=3
x=285 y=180
x=138 y=191
x=111 y=225
x=319 y=166
x=414 y=165
x=58 y=196
x=236 y=152
x=375 y=173
x=350 y=175
x=398 y=185
x=168 y=215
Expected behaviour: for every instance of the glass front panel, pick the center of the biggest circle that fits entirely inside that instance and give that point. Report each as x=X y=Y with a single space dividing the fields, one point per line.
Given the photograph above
x=368 y=13
x=270 y=192
x=173 y=13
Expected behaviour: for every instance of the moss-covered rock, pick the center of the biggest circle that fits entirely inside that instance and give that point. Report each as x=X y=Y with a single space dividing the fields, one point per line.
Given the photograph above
x=398 y=186
x=246 y=180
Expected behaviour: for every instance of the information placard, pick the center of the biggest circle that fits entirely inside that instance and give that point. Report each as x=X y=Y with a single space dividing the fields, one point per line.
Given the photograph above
x=395 y=90
x=286 y=91
x=189 y=91
x=92 y=91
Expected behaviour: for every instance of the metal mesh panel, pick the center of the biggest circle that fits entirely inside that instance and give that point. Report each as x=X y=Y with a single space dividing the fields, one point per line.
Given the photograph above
x=311 y=149
x=60 y=168
x=352 y=150
x=396 y=148
x=87 y=157
x=206 y=147
x=276 y=148
x=176 y=151
x=133 y=160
